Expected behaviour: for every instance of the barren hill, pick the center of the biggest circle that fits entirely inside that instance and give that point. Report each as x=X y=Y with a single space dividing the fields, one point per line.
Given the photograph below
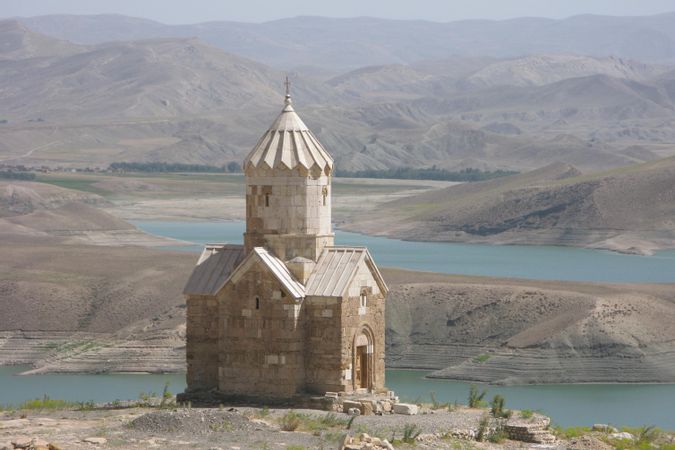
x=539 y=70
x=160 y=78
x=520 y=331
x=629 y=209
x=18 y=42
x=37 y=212
x=180 y=100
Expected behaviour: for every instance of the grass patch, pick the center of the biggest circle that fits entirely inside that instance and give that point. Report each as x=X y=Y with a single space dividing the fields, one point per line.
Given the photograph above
x=410 y=434
x=570 y=432
x=481 y=359
x=47 y=403
x=526 y=414
x=78 y=183
x=292 y=421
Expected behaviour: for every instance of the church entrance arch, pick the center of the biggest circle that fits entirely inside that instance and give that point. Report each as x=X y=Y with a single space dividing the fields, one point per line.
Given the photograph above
x=363 y=359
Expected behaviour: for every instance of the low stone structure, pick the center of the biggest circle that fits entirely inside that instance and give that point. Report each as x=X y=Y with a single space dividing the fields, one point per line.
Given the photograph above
x=534 y=430
x=288 y=313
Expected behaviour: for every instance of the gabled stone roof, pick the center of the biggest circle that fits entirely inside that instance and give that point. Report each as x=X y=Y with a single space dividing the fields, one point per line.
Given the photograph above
x=288 y=144
x=276 y=267
x=213 y=268
x=336 y=268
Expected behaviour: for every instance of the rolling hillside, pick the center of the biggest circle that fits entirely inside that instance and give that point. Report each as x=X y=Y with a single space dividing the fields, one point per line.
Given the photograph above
x=319 y=41
x=180 y=100
x=628 y=209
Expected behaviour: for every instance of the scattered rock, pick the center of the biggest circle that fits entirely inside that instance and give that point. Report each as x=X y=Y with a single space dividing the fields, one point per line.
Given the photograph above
x=622 y=435
x=387 y=445
x=349 y=404
x=407 y=409
x=604 y=428
x=95 y=440
x=587 y=443
x=23 y=442
x=367 y=408
x=365 y=442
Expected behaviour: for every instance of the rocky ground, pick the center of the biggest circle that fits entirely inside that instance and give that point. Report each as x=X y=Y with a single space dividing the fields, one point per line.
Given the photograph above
x=226 y=428
x=263 y=428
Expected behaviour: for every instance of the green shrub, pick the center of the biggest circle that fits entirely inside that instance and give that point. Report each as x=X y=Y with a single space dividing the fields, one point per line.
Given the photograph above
x=166 y=396
x=497 y=409
x=647 y=434
x=475 y=397
x=410 y=433
x=497 y=436
x=483 y=428
x=290 y=421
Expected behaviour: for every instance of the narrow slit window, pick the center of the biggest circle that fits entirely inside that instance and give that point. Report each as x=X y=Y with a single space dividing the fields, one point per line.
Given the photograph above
x=257 y=303
x=364 y=299
x=324 y=193
x=267 y=199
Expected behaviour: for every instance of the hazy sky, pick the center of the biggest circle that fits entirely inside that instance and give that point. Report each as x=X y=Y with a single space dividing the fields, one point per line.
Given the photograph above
x=184 y=11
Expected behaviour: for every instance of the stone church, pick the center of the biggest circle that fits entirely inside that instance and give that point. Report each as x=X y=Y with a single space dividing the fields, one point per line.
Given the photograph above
x=288 y=313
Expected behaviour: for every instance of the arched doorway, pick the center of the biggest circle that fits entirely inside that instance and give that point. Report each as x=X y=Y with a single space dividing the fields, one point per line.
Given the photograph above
x=363 y=360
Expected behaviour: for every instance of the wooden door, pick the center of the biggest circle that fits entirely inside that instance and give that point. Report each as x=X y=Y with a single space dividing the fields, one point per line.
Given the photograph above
x=362 y=366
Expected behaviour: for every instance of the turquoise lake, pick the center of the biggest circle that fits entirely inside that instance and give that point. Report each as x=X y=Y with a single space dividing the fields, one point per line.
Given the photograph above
x=519 y=261
x=568 y=405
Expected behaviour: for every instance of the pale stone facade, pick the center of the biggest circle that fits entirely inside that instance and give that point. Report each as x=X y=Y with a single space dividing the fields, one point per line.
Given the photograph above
x=287 y=313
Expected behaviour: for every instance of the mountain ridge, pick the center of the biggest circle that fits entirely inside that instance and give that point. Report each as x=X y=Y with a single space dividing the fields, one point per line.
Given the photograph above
x=383 y=41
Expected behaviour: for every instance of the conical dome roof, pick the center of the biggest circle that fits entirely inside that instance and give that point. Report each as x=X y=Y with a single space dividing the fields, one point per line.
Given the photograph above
x=288 y=144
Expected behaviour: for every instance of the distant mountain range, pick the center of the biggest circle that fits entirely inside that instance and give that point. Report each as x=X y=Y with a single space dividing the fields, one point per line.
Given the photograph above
x=178 y=99
x=342 y=44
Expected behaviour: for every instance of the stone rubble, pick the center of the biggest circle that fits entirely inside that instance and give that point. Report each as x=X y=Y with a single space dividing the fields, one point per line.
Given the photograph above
x=407 y=409
x=365 y=442
x=622 y=435
x=604 y=428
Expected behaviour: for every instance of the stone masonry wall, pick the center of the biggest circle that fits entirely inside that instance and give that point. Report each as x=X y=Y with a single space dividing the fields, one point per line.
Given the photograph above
x=356 y=319
x=288 y=211
x=323 y=363
x=261 y=350
x=202 y=343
